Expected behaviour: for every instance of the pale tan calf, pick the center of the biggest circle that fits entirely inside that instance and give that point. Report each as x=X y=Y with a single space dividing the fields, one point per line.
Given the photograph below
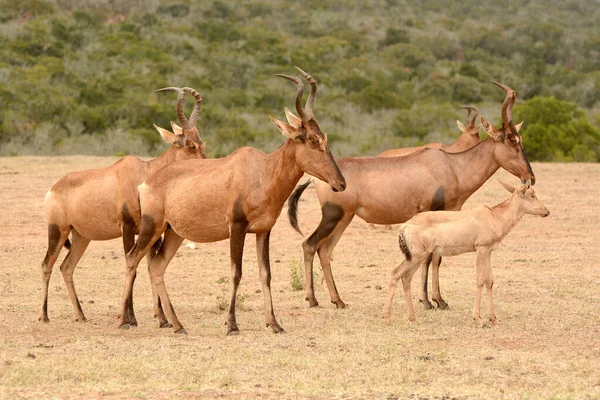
x=467 y=139
x=212 y=200
x=102 y=204
x=450 y=233
x=390 y=190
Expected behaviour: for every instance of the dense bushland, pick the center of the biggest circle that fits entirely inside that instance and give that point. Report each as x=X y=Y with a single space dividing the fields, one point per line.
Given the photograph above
x=78 y=76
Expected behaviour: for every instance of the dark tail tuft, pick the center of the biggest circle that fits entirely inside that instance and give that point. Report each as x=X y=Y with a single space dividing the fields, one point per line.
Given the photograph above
x=67 y=244
x=404 y=246
x=293 y=205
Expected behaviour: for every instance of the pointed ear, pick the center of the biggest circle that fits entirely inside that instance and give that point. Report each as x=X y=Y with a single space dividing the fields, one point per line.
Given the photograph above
x=286 y=129
x=460 y=126
x=170 y=137
x=176 y=128
x=518 y=126
x=292 y=119
x=508 y=186
x=490 y=129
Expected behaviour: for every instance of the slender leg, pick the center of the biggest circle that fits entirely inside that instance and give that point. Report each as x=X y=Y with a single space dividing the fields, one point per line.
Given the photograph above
x=128 y=231
x=325 y=250
x=236 y=245
x=404 y=271
x=157 y=269
x=56 y=240
x=482 y=255
x=331 y=215
x=158 y=310
x=489 y=282
x=149 y=234
x=435 y=282
x=78 y=247
x=424 y=298
x=262 y=252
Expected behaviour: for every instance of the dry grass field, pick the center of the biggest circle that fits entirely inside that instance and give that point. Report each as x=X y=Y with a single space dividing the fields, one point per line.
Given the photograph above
x=546 y=345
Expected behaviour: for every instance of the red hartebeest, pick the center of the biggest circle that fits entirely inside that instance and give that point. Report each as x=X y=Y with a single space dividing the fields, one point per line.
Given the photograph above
x=212 y=200
x=102 y=204
x=450 y=233
x=391 y=190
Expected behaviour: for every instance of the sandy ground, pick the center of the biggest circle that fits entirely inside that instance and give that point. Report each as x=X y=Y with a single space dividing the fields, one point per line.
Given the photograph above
x=546 y=345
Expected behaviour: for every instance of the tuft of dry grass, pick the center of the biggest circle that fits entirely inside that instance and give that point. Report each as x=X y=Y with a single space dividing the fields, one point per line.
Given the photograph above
x=546 y=345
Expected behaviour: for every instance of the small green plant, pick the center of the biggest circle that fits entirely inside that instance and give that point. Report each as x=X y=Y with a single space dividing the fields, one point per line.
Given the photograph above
x=223 y=298
x=296 y=275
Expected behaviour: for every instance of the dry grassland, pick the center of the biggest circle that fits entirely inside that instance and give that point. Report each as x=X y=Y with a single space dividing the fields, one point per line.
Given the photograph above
x=547 y=344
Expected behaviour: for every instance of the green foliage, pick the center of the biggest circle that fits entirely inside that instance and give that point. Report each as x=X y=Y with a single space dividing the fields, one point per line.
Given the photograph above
x=296 y=275
x=557 y=130
x=75 y=75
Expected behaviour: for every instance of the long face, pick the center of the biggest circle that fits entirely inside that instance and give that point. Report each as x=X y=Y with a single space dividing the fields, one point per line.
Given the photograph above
x=531 y=204
x=186 y=146
x=313 y=155
x=509 y=152
x=315 y=158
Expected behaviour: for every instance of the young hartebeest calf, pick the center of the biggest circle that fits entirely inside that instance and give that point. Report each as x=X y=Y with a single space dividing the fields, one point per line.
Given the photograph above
x=212 y=200
x=102 y=204
x=390 y=190
x=450 y=233
x=467 y=139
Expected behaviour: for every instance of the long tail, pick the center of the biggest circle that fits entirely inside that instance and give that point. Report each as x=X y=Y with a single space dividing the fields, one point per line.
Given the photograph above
x=404 y=246
x=293 y=205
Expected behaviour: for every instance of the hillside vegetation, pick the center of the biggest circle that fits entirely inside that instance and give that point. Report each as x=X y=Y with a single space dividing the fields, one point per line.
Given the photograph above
x=77 y=76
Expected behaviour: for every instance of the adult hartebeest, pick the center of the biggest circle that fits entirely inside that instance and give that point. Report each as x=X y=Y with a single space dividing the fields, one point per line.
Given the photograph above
x=467 y=139
x=450 y=233
x=102 y=204
x=212 y=200
x=391 y=190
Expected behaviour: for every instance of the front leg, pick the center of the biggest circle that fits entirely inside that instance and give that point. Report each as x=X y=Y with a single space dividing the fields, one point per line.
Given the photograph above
x=262 y=253
x=424 y=297
x=436 y=261
x=482 y=257
x=489 y=282
x=236 y=247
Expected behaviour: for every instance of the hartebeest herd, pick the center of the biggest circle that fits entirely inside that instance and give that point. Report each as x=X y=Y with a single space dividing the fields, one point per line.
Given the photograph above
x=183 y=195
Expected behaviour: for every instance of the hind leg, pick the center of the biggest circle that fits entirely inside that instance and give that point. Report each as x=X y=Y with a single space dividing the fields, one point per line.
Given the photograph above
x=56 y=240
x=158 y=310
x=331 y=216
x=325 y=250
x=67 y=267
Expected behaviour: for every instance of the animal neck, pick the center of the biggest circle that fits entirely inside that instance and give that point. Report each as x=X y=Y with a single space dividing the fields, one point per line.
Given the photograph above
x=283 y=172
x=508 y=214
x=474 y=166
x=165 y=158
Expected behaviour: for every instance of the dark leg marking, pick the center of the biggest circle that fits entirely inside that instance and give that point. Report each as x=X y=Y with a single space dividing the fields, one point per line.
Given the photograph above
x=146 y=231
x=439 y=200
x=53 y=239
x=331 y=214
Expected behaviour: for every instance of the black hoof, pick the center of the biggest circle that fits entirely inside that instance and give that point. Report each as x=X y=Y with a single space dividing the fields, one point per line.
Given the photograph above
x=181 y=332
x=125 y=327
x=233 y=332
x=165 y=325
x=426 y=304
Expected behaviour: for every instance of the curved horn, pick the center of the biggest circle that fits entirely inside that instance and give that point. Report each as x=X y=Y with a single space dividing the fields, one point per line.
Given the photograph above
x=313 y=91
x=185 y=124
x=196 y=112
x=301 y=113
x=508 y=103
x=471 y=123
